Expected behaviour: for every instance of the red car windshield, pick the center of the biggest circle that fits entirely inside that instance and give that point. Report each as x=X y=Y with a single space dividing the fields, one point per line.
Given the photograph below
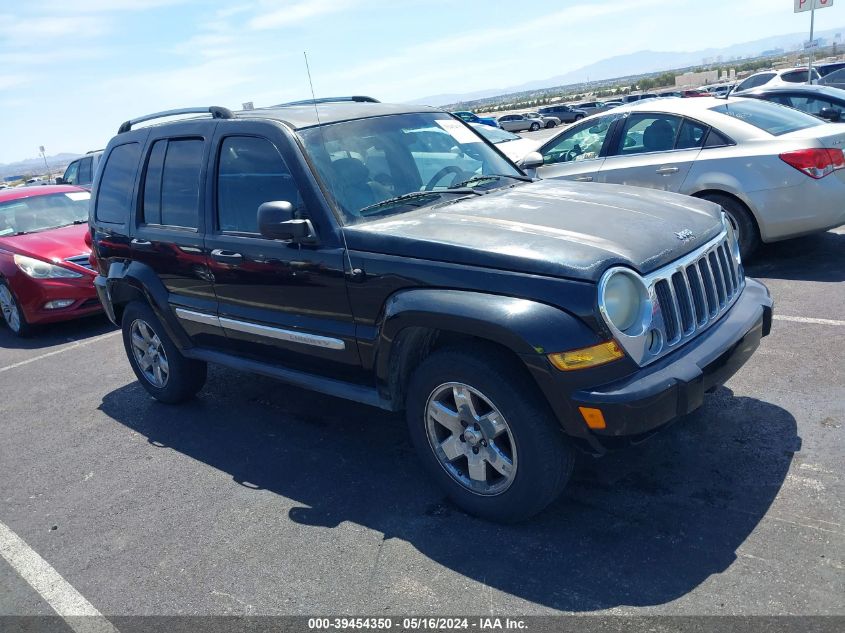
x=43 y=212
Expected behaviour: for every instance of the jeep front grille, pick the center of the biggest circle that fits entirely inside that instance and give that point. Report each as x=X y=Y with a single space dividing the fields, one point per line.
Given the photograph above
x=695 y=291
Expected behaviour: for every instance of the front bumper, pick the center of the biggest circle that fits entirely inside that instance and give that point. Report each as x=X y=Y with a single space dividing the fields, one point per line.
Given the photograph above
x=33 y=294
x=675 y=385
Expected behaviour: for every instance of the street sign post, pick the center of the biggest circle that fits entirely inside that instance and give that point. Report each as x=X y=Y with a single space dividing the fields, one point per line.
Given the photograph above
x=811 y=5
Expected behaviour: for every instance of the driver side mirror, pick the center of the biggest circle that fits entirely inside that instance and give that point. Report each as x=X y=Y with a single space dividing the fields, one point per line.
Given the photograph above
x=276 y=222
x=532 y=160
x=834 y=115
x=61 y=181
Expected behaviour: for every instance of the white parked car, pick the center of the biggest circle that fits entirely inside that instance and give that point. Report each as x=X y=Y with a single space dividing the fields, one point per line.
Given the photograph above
x=776 y=78
x=777 y=172
x=513 y=146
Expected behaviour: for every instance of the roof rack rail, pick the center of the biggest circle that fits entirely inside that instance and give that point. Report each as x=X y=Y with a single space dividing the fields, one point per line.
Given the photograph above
x=216 y=112
x=353 y=98
x=93 y=151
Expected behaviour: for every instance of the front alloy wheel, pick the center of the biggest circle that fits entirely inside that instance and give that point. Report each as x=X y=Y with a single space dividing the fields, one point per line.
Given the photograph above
x=12 y=314
x=471 y=439
x=149 y=354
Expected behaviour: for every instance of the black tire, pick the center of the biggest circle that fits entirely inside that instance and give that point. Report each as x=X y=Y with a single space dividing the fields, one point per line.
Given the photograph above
x=744 y=225
x=535 y=127
x=185 y=376
x=578 y=117
x=24 y=329
x=550 y=125
x=544 y=458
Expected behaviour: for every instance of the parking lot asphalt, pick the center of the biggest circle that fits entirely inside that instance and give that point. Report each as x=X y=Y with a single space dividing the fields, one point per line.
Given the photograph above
x=258 y=498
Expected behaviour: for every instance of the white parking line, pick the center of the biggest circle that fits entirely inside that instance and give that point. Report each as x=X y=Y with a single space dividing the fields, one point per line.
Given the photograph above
x=77 y=612
x=58 y=351
x=796 y=319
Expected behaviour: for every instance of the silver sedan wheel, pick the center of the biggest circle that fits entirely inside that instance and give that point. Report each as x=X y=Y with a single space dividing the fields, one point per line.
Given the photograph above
x=9 y=308
x=471 y=439
x=149 y=353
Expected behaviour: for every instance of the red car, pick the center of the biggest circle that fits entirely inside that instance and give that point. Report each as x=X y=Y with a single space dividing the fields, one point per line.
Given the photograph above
x=45 y=275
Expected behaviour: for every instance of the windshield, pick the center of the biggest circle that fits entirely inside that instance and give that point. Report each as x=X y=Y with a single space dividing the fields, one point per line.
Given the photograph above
x=369 y=161
x=495 y=135
x=42 y=212
x=769 y=117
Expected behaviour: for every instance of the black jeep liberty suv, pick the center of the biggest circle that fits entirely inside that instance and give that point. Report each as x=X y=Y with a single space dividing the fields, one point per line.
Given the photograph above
x=390 y=255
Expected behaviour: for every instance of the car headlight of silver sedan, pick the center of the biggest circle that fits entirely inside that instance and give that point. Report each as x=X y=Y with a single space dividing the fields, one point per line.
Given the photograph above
x=39 y=269
x=624 y=301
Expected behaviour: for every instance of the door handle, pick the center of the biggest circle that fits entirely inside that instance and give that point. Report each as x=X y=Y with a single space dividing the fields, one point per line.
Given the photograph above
x=665 y=171
x=583 y=179
x=226 y=257
x=141 y=244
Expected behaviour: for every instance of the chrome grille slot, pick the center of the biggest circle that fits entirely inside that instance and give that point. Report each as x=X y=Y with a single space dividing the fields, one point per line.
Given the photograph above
x=694 y=278
x=709 y=288
x=670 y=315
x=692 y=293
x=717 y=277
x=684 y=301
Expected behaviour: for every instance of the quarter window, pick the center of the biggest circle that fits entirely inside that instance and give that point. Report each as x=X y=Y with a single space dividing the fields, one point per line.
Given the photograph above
x=172 y=183
x=250 y=172
x=115 y=191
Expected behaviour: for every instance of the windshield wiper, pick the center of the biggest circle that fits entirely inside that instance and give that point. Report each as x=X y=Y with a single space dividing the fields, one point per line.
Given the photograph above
x=85 y=221
x=419 y=194
x=486 y=177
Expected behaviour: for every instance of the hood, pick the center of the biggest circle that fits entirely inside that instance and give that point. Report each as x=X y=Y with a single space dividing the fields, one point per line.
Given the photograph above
x=51 y=245
x=517 y=148
x=554 y=228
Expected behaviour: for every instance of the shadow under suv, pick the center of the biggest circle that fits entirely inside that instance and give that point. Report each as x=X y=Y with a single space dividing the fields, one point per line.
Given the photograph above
x=389 y=255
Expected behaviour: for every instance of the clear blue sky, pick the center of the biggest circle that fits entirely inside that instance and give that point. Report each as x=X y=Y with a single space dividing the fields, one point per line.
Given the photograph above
x=72 y=70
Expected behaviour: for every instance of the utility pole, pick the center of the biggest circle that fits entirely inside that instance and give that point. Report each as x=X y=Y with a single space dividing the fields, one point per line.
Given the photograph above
x=44 y=156
x=812 y=45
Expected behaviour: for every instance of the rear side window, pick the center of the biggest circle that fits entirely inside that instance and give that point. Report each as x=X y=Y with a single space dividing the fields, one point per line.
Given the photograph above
x=172 y=183
x=717 y=139
x=115 y=191
x=85 y=172
x=692 y=135
x=798 y=76
x=250 y=172
x=645 y=133
x=71 y=176
x=769 y=117
x=754 y=81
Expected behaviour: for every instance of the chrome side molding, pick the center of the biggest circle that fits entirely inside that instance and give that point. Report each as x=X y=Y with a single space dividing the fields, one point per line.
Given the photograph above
x=291 y=336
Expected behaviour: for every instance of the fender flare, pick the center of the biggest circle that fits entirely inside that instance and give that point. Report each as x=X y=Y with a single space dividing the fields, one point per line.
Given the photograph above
x=523 y=326
x=129 y=281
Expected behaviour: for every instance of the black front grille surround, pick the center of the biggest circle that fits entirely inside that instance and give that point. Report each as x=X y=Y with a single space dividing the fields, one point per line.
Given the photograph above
x=684 y=298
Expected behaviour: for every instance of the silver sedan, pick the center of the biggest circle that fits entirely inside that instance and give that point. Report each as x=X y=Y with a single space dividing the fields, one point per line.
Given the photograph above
x=519 y=123
x=777 y=172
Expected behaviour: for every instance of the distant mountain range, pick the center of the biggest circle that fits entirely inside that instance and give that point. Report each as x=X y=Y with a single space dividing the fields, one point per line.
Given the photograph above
x=36 y=165
x=640 y=63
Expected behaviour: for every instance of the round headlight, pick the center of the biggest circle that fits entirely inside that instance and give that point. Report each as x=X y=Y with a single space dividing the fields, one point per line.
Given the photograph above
x=622 y=299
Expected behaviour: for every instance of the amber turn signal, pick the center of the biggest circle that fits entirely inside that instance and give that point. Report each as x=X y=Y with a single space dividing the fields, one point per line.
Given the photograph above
x=587 y=356
x=593 y=417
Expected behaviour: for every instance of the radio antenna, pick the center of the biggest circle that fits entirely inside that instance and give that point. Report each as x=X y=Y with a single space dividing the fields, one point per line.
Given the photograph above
x=353 y=272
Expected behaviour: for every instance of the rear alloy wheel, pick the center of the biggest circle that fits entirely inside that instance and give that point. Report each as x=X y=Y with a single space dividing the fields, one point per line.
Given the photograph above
x=159 y=365
x=12 y=313
x=484 y=432
x=535 y=126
